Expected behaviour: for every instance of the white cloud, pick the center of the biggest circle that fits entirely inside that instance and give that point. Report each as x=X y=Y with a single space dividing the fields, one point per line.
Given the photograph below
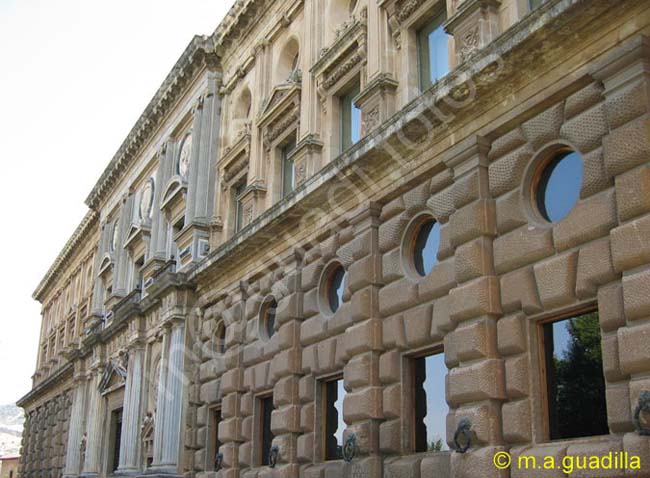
x=74 y=77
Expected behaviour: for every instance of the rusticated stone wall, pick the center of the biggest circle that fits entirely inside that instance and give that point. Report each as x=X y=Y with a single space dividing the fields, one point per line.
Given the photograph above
x=500 y=271
x=45 y=437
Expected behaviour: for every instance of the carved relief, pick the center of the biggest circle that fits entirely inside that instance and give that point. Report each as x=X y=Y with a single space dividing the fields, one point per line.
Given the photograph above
x=146 y=199
x=370 y=120
x=184 y=157
x=469 y=43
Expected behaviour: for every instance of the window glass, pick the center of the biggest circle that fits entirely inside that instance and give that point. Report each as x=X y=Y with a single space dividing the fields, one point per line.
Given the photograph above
x=116 y=419
x=425 y=247
x=336 y=287
x=574 y=377
x=433 y=50
x=535 y=3
x=215 y=443
x=267 y=317
x=334 y=424
x=429 y=403
x=558 y=189
x=239 y=207
x=288 y=169
x=266 y=406
x=350 y=119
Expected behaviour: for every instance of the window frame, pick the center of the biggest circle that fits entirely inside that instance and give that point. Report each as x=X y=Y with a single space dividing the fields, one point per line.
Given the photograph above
x=436 y=19
x=408 y=378
x=212 y=440
x=345 y=99
x=323 y=383
x=287 y=150
x=262 y=402
x=238 y=212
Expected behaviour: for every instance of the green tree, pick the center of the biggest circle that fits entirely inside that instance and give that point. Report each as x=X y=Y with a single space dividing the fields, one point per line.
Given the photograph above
x=580 y=383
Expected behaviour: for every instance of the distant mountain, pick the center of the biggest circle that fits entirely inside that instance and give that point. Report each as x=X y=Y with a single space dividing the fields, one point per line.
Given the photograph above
x=11 y=429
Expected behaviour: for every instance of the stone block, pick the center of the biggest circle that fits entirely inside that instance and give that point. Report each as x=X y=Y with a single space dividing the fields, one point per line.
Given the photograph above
x=633 y=193
x=633 y=349
x=587 y=129
x=392 y=401
x=391 y=266
x=306 y=388
x=619 y=416
x=598 y=447
x=362 y=337
x=506 y=173
x=517 y=379
x=638 y=446
x=312 y=330
x=362 y=273
x=474 y=259
x=391 y=232
x=390 y=437
x=630 y=244
x=545 y=127
x=476 y=298
x=519 y=292
x=583 y=99
x=285 y=391
x=417 y=325
x=636 y=298
x=485 y=419
x=467 y=188
x=511 y=337
x=590 y=219
x=441 y=204
x=365 y=404
x=510 y=213
x=441 y=321
x=439 y=282
x=595 y=177
x=472 y=221
x=627 y=103
x=472 y=383
x=521 y=247
x=393 y=332
x=610 y=307
x=305 y=448
x=451 y=348
x=475 y=463
x=397 y=296
x=390 y=366
x=595 y=268
x=517 y=421
x=438 y=464
x=285 y=420
x=359 y=308
x=506 y=143
x=476 y=339
x=361 y=371
x=307 y=415
x=556 y=279
x=536 y=455
x=611 y=367
x=627 y=146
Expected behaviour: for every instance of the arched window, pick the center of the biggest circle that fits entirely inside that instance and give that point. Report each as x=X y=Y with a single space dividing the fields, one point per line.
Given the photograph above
x=288 y=61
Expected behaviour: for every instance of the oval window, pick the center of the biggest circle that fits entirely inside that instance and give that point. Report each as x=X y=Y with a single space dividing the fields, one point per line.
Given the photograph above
x=557 y=189
x=425 y=246
x=267 y=319
x=335 y=286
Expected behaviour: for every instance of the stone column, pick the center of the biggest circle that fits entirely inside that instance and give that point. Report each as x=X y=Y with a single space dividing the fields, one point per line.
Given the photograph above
x=196 y=153
x=94 y=426
x=75 y=432
x=121 y=256
x=98 y=288
x=133 y=394
x=158 y=248
x=174 y=396
x=161 y=401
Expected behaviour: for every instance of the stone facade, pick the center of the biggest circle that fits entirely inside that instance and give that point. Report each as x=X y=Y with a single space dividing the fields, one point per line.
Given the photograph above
x=155 y=313
x=9 y=467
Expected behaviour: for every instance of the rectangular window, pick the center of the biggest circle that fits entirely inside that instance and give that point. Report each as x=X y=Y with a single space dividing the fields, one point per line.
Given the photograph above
x=116 y=432
x=288 y=168
x=239 y=207
x=333 y=424
x=428 y=403
x=213 y=438
x=575 y=385
x=433 y=51
x=266 y=435
x=350 y=119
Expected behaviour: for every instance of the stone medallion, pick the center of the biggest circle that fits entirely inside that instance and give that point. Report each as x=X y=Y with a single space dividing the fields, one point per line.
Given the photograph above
x=146 y=200
x=184 y=157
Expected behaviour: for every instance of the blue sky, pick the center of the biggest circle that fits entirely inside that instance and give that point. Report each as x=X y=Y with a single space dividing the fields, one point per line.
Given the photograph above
x=74 y=77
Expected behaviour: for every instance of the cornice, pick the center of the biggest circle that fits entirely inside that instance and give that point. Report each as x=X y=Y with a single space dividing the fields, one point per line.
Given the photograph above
x=54 y=272
x=199 y=53
x=58 y=377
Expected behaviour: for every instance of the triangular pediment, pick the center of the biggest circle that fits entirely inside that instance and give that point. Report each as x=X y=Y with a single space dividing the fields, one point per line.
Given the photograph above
x=114 y=377
x=281 y=96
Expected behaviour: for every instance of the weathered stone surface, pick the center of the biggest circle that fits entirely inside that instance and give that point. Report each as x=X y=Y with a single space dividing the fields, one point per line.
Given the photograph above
x=627 y=146
x=521 y=247
x=630 y=244
x=556 y=279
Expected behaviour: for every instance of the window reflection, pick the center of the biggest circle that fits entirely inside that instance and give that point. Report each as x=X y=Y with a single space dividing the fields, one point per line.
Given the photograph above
x=288 y=169
x=350 y=119
x=335 y=288
x=425 y=247
x=574 y=377
x=334 y=424
x=429 y=403
x=433 y=52
x=558 y=189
